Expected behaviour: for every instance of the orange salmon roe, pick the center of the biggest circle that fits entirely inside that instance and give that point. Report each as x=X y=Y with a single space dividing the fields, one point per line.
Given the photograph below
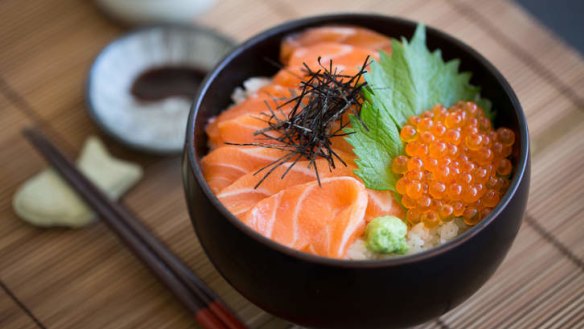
x=455 y=165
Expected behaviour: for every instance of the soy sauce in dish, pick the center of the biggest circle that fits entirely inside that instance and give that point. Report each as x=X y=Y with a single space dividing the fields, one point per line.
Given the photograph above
x=163 y=82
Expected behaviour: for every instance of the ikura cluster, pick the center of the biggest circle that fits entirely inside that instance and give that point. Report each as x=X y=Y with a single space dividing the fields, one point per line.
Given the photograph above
x=456 y=165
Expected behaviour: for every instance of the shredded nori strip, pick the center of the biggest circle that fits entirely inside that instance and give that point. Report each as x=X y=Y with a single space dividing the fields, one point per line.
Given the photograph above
x=306 y=131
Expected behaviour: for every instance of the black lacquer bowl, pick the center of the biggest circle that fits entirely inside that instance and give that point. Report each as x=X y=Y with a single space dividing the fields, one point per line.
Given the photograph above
x=326 y=293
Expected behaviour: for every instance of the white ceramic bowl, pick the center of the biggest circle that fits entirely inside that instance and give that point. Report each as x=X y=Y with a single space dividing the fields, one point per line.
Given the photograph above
x=157 y=127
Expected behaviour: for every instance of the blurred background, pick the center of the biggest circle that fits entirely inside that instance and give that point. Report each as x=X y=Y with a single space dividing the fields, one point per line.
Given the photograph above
x=564 y=17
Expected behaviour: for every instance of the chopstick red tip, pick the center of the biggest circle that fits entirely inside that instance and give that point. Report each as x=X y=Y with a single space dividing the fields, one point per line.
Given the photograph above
x=225 y=315
x=208 y=320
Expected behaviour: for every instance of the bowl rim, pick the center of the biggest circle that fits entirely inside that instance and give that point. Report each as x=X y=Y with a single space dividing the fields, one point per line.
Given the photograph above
x=195 y=167
x=102 y=55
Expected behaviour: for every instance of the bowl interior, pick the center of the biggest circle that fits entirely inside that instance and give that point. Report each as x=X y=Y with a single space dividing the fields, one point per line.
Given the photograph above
x=255 y=58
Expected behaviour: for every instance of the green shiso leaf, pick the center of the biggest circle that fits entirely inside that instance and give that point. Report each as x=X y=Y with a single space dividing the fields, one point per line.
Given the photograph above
x=409 y=81
x=374 y=145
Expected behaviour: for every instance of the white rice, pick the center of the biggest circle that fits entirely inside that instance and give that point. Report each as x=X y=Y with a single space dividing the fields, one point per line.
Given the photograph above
x=419 y=238
x=250 y=86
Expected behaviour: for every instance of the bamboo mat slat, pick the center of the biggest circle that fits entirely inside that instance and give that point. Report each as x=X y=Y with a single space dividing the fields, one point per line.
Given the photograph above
x=87 y=279
x=530 y=41
x=531 y=269
x=556 y=200
x=12 y=315
x=241 y=19
x=12 y=119
x=300 y=8
x=47 y=47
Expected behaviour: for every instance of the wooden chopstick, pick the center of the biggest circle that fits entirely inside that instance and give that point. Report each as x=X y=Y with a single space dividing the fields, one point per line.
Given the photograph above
x=206 y=306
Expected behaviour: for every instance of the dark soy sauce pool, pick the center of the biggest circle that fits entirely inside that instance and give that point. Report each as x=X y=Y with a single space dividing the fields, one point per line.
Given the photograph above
x=163 y=82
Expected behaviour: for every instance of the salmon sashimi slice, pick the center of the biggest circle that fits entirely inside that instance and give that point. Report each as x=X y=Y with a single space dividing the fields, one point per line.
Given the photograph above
x=323 y=220
x=269 y=97
x=224 y=165
x=349 y=35
x=250 y=127
x=290 y=77
x=346 y=59
x=242 y=130
x=382 y=203
x=244 y=193
x=340 y=143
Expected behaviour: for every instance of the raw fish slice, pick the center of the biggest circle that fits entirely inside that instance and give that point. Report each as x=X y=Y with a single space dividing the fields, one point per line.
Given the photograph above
x=278 y=91
x=242 y=195
x=341 y=144
x=382 y=203
x=254 y=104
x=224 y=165
x=324 y=220
x=349 y=35
x=346 y=59
x=290 y=76
x=241 y=130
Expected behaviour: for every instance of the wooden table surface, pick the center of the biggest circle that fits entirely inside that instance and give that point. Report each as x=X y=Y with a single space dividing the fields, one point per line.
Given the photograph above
x=61 y=278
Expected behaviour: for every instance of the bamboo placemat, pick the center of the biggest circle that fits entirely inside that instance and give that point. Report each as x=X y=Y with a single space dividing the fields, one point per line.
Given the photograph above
x=87 y=279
